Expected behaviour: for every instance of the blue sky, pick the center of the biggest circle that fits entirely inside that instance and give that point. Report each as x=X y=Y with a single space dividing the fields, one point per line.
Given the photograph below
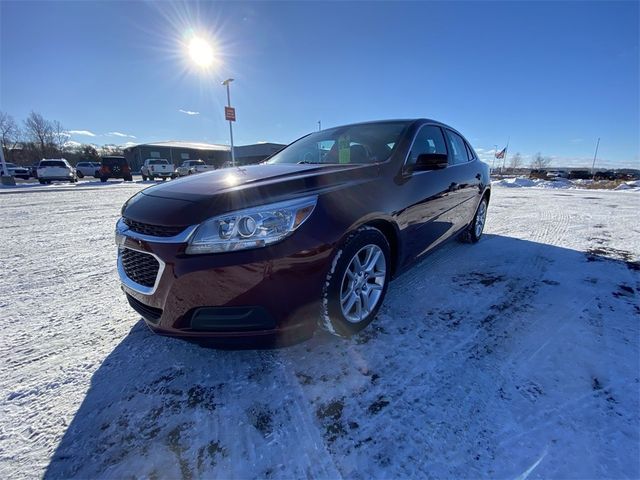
x=551 y=77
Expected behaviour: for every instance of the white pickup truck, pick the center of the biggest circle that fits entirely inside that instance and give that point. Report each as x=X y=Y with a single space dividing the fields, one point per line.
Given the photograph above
x=190 y=167
x=157 y=167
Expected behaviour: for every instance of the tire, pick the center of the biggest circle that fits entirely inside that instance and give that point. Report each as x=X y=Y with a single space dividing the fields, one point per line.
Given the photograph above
x=96 y=174
x=80 y=174
x=42 y=182
x=348 y=279
x=164 y=178
x=128 y=178
x=152 y=178
x=144 y=178
x=104 y=179
x=473 y=232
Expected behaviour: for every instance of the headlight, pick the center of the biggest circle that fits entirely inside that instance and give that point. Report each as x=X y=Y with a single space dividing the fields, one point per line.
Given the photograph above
x=251 y=228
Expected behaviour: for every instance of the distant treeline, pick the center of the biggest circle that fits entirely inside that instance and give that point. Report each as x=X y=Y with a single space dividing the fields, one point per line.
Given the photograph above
x=37 y=138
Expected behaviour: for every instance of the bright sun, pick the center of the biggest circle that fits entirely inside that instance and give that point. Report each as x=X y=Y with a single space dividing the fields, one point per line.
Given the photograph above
x=201 y=52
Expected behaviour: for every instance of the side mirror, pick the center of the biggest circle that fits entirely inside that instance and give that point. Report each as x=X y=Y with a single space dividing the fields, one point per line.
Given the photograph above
x=430 y=161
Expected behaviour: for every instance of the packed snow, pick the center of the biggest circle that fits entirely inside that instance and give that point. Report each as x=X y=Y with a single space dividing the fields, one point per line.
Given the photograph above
x=562 y=183
x=516 y=357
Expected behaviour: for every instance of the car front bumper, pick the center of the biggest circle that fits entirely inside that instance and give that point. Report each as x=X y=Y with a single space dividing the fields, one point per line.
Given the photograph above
x=262 y=297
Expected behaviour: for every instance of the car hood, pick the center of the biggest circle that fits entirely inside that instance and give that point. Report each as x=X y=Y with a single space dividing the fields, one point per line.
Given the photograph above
x=192 y=199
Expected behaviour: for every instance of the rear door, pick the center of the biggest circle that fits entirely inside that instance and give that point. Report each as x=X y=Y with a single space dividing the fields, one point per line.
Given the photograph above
x=427 y=221
x=466 y=174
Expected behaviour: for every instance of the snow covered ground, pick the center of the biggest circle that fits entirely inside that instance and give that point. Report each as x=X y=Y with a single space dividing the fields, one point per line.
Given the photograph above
x=563 y=183
x=515 y=357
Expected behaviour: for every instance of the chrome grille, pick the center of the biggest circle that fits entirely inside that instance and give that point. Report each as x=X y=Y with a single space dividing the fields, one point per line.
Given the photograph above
x=152 y=230
x=140 y=267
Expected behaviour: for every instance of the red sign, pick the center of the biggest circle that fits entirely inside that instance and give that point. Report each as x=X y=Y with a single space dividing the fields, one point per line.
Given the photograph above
x=230 y=114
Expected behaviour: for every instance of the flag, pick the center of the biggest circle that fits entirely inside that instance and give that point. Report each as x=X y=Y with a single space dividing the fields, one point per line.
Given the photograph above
x=501 y=153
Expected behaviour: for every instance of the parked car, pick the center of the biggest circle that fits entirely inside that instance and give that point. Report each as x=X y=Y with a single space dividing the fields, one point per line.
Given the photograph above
x=33 y=170
x=260 y=254
x=50 y=169
x=157 y=167
x=580 y=175
x=557 y=174
x=16 y=171
x=115 y=167
x=189 y=167
x=88 y=169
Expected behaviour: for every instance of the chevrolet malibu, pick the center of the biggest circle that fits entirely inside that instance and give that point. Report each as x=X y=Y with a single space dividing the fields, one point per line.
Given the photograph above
x=262 y=254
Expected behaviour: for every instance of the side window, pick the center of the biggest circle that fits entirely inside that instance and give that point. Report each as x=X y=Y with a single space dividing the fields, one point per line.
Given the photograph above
x=428 y=140
x=470 y=153
x=458 y=149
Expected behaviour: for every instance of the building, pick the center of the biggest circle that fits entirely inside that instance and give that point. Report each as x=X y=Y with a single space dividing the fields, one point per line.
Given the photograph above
x=248 y=154
x=212 y=154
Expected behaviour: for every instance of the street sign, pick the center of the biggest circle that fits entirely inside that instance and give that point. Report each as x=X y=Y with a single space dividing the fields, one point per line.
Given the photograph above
x=230 y=114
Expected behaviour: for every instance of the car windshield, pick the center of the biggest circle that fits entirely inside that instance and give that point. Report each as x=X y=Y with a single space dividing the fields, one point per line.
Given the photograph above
x=52 y=163
x=158 y=162
x=352 y=144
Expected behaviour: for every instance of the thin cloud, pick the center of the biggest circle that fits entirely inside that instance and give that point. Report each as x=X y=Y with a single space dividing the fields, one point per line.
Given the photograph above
x=189 y=112
x=86 y=133
x=120 y=134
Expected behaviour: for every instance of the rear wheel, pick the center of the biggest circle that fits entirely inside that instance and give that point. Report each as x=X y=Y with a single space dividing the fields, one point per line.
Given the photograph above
x=128 y=178
x=474 y=231
x=80 y=174
x=144 y=178
x=357 y=282
x=152 y=178
x=42 y=182
x=103 y=179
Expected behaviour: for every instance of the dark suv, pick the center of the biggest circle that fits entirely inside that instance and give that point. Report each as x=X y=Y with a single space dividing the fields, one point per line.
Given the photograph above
x=115 y=167
x=262 y=253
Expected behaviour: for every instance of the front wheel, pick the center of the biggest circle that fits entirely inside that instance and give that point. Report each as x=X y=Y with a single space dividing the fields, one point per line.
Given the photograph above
x=80 y=174
x=103 y=179
x=357 y=282
x=144 y=178
x=473 y=232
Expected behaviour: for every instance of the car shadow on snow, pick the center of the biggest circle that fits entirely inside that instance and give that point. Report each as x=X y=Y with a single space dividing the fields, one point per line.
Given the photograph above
x=449 y=381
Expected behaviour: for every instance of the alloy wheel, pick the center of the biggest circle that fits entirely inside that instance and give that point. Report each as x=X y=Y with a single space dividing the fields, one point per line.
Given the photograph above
x=362 y=283
x=481 y=217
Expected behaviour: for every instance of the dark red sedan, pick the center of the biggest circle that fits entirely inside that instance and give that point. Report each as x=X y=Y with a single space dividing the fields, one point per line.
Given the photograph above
x=262 y=254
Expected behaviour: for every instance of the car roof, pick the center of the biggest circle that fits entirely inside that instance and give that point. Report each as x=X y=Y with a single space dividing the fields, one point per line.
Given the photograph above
x=412 y=121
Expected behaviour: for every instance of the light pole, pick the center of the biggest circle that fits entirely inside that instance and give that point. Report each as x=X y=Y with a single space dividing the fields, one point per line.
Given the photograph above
x=233 y=155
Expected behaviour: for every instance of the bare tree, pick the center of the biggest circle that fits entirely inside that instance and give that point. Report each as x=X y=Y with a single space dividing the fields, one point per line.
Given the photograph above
x=39 y=131
x=539 y=162
x=60 y=136
x=9 y=133
x=515 y=161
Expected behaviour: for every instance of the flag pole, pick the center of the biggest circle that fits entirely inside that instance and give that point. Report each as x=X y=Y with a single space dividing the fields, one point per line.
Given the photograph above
x=593 y=165
x=506 y=149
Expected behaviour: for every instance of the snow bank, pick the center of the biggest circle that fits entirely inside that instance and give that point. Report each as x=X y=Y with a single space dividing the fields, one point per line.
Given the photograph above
x=633 y=185
x=520 y=182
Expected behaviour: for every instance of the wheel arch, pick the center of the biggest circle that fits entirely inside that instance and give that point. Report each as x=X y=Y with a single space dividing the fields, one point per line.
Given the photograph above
x=390 y=230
